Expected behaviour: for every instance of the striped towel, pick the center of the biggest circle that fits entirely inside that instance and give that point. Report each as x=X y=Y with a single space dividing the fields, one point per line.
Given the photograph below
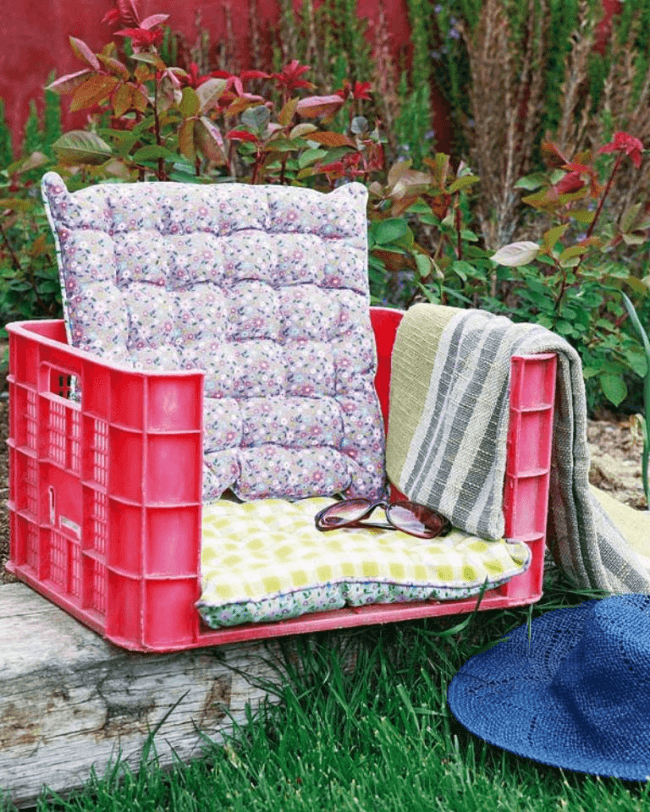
x=447 y=431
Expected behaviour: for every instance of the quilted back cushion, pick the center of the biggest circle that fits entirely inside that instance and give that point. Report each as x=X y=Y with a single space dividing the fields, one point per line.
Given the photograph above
x=263 y=287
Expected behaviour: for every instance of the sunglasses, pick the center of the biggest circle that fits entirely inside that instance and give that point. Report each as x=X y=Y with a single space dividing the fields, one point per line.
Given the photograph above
x=409 y=517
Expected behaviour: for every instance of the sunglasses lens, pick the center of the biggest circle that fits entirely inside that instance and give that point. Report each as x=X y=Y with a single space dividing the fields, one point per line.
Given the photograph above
x=416 y=519
x=341 y=513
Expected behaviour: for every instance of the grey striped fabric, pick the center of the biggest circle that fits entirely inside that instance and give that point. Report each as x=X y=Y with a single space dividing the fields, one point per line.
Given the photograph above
x=446 y=444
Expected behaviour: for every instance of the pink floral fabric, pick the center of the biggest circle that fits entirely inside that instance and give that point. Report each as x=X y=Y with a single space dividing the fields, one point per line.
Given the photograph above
x=263 y=287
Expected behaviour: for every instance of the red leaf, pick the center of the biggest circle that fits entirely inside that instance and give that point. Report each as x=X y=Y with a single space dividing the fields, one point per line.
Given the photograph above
x=241 y=135
x=330 y=139
x=83 y=52
x=290 y=75
x=362 y=90
x=314 y=106
x=154 y=20
x=140 y=36
x=254 y=74
x=571 y=182
x=625 y=143
x=129 y=11
x=111 y=17
x=93 y=91
x=209 y=140
x=122 y=99
x=552 y=155
x=114 y=65
x=69 y=82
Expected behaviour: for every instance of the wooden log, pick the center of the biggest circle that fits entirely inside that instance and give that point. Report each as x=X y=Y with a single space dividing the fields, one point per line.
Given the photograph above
x=70 y=700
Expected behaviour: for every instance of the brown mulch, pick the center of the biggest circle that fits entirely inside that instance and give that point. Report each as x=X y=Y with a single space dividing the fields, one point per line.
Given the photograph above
x=5 y=577
x=615 y=447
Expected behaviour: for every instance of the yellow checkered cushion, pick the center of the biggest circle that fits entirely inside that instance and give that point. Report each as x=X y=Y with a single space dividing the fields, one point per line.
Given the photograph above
x=265 y=560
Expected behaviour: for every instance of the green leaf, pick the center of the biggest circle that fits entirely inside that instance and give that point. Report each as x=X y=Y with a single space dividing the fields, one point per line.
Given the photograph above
x=531 y=182
x=464 y=269
x=310 y=156
x=186 y=143
x=637 y=361
x=563 y=327
x=629 y=217
x=583 y=216
x=613 y=387
x=424 y=265
x=302 y=129
x=190 y=104
x=150 y=59
x=388 y=231
x=152 y=153
x=283 y=144
x=463 y=183
x=285 y=116
x=551 y=236
x=634 y=238
x=81 y=147
x=572 y=252
x=209 y=93
x=257 y=119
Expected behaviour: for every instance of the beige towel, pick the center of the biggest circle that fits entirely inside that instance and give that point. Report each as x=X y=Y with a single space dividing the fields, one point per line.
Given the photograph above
x=446 y=444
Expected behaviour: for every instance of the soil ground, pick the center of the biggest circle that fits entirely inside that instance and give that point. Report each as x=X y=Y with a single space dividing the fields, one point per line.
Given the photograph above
x=615 y=445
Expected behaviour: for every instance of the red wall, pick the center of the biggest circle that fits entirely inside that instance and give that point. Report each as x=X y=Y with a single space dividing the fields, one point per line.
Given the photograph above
x=34 y=38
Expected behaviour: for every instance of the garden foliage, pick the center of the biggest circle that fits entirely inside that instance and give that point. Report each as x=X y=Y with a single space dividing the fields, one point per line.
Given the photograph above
x=536 y=90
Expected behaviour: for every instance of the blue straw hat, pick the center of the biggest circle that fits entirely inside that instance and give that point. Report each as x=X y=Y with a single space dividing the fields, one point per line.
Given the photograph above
x=576 y=695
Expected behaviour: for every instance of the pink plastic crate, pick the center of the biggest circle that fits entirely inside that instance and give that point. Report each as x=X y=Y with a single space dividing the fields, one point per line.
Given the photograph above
x=105 y=492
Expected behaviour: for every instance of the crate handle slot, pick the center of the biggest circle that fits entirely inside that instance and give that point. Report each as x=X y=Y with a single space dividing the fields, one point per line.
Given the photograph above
x=63 y=384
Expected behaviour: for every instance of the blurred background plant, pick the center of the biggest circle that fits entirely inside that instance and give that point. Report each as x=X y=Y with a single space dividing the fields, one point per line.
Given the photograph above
x=326 y=100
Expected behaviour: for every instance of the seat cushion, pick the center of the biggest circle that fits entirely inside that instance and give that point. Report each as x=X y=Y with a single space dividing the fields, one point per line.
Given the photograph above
x=265 y=560
x=263 y=287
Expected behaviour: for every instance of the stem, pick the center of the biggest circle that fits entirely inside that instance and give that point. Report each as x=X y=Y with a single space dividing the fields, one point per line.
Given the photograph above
x=256 y=167
x=161 y=162
x=608 y=186
x=12 y=253
x=457 y=223
x=592 y=225
x=563 y=287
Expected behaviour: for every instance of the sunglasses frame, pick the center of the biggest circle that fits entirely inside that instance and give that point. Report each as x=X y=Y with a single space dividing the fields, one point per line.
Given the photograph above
x=371 y=506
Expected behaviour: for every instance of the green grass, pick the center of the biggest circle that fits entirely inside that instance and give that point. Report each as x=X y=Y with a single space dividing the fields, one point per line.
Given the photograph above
x=378 y=737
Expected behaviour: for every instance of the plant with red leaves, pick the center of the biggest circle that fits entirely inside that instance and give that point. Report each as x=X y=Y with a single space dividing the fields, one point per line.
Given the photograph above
x=289 y=77
x=359 y=90
x=164 y=116
x=624 y=144
x=580 y=294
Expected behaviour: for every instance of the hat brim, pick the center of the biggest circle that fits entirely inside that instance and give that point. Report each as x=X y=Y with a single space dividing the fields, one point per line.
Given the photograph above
x=504 y=695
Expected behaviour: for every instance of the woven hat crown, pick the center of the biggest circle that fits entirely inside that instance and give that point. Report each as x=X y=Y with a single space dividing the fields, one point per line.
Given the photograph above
x=572 y=691
x=604 y=682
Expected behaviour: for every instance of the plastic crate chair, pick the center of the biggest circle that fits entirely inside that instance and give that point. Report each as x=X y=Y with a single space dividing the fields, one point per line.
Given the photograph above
x=86 y=529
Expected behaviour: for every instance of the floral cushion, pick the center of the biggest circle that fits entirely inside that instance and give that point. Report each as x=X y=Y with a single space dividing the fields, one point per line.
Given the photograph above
x=263 y=287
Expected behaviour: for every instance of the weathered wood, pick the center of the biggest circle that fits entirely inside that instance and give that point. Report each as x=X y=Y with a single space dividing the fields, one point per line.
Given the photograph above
x=70 y=700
